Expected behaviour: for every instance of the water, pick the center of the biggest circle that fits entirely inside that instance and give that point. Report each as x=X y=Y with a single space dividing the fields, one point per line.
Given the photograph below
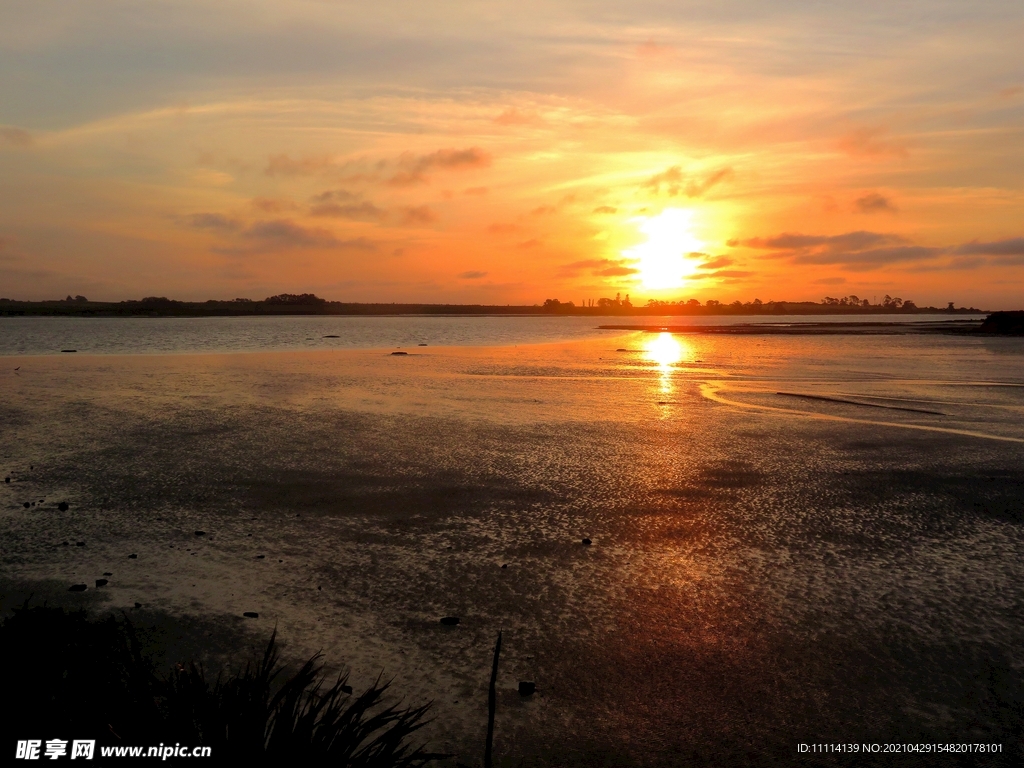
x=164 y=335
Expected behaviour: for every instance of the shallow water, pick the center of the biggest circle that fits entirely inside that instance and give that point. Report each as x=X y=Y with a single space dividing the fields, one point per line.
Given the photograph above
x=766 y=569
x=166 y=335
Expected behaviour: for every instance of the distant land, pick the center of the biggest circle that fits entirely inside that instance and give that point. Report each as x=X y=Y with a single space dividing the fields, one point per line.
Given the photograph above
x=309 y=304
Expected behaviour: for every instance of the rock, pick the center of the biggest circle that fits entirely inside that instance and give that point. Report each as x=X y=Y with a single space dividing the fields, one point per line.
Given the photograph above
x=621 y=350
x=200 y=533
x=450 y=621
x=101 y=582
x=527 y=687
x=346 y=689
x=79 y=543
x=27 y=504
x=77 y=588
x=421 y=344
x=251 y=615
x=138 y=605
x=319 y=589
x=399 y=353
x=107 y=573
x=66 y=544
x=69 y=350
x=260 y=557
x=331 y=336
x=63 y=506
x=7 y=479
x=132 y=556
x=587 y=542
x=504 y=565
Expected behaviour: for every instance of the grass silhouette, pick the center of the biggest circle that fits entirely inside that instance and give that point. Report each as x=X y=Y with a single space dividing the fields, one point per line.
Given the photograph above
x=73 y=677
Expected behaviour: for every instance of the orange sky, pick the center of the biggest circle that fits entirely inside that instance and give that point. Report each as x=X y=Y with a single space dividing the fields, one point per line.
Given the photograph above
x=512 y=152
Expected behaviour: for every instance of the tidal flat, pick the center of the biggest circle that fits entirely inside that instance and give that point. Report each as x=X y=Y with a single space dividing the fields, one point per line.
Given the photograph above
x=844 y=566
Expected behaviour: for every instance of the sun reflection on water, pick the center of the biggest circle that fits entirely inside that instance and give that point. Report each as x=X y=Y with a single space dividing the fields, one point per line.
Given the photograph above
x=665 y=350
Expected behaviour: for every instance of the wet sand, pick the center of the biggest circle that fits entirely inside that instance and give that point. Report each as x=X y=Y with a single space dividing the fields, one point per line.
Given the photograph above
x=765 y=570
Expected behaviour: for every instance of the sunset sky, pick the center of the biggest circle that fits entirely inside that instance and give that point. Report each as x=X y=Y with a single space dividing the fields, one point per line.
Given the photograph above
x=509 y=152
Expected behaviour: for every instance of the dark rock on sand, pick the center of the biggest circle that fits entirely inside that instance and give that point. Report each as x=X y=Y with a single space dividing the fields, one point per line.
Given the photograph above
x=587 y=542
x=251 y=615
x=77 y=588
x=107 y=573
x=330 y=336
x=527 y=687
x=1007 y=323
x=450 y=621
x=260 y=557
x=79 y=543
x=132 y=556
x=27 y=504
x=346 y=689
x=399 y=353
x=200 y=533
x=101 y=582
x=69 y=350
x=138 y=605
x=7 y=479
x=63 y=506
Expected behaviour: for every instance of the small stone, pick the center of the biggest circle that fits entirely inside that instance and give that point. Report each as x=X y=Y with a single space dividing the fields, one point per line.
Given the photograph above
x=63 y=506
x=527 y=687
x=587 y=542
x=77 y=588
x=66 y=543
x=251 y=615
x=107 y=573
x=319 y=589
x=504 y=565
x=260 y=557
x=27 y=504
x=101 y=582
x=450 y=621
x=346 y=689
x=132 y=556
x=138 y=605
x=200 y=533
x=620 y=349
x=421 y=344
x=69 y=350
x=399 y=353
x=79 y=543
x=7 y=479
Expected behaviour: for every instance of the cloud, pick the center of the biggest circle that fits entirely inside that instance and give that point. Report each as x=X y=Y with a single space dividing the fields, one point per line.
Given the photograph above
x=1014 y=246
x=717 y=262
x=283 y=165
x=419 y=214
x=283 y=234
x=364 y=211
x=217 y=222
x=513 y=116
x=269 y=205
x=871 y=258
x=871 y=142
x=527 y=244
x=849 y=241
x=17 y=137
x=830 y=281
x=413 y=168
x=1009 y=93
x=859 y=250
x=874 y=203
x=599 y=267
x=674 y=182
x=605 y=209
x=472 y=275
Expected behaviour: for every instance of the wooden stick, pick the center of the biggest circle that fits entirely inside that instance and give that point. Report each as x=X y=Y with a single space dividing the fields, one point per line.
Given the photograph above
x=492 y=702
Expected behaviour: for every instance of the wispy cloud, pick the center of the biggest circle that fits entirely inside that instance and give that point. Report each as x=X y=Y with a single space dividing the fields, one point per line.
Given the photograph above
x=873 y=202
x=16 y=137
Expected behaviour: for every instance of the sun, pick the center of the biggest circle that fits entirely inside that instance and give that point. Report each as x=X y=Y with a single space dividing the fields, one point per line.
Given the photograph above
x=662 y=261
